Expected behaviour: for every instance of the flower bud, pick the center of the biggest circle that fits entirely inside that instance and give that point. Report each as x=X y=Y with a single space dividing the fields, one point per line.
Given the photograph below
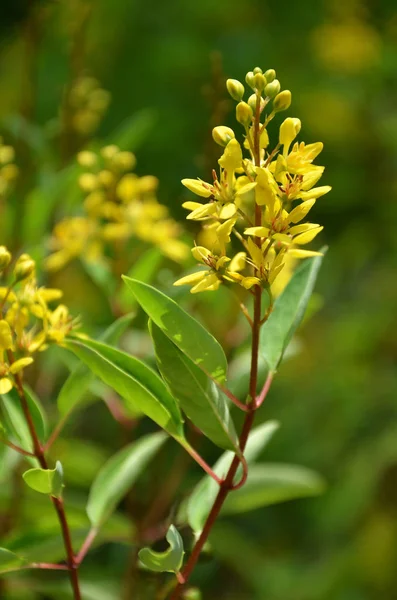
x=244 y=113
x=270 y=75
x=259 y=81
x=5 y=335
x=108 y=152
x=282 y=101
x=222 y=135
x=252 y=102
x=235 y=89
x=5 y=258
x=87 y=159
x=24 y=267
x=257 y=70
x=7 y=154
x=273 y=88
x=249 y=78
x=289 y=129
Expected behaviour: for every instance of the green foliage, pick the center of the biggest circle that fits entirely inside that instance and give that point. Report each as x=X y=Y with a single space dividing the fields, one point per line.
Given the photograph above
x=288 y=312
x=9 y=561
x=198 y=396
x=139 y=386
x=46 y=481
x=118 y=475
x=170 y=560
x=182 y=329
x=15 y=421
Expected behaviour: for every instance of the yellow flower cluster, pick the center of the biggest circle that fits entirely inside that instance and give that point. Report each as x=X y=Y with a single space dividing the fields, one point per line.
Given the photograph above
x=27 y=323
x=118 y=207
x=8 y=170
x=261 y=200
x=86 y=103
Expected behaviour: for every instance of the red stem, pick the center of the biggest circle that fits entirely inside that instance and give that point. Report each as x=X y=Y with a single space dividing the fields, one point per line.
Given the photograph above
x=57 y=502
x=227 y=485
x=200 y=460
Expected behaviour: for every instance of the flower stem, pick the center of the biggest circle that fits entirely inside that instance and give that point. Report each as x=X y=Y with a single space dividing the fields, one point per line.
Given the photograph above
x=38 y=452
x=228 y=484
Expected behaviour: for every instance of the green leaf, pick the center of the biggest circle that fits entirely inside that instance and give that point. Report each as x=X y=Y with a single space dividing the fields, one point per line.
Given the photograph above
x=79 y=381
x=10 y=561
x=118 y=475
x=171 y=560
x=198 y=396
x=186 y=333
x=15 y=421
x=271 y=484
x=46 y=481
x=203 y=497
x=144 y=269
x=288 y=312
x=140 y=387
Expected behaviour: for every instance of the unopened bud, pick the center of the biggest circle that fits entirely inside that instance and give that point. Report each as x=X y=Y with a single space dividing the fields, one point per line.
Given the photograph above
x=270 y=75
x=244 y=113
x=235 y=89
x=252 y=100
x=88 y=159
x=257 y=70
x=273 y=88
x=249 y=78
x=222 y=135
x=24 y=267
x=282 y=101
x=260 y=81
x=5 y=258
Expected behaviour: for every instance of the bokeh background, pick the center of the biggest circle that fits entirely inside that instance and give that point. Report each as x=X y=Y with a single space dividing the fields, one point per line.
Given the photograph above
x=336 y=397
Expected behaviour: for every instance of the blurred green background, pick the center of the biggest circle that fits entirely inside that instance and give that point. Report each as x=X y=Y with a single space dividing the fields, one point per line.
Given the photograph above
x=336 y=397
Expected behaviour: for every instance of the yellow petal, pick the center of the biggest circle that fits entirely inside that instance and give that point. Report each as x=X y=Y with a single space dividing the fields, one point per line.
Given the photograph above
x=200 y=253
x=298 y=253
x=5 y=335
x=308 y=236
x=5 y=385
x=238 y=262
x=302 y=228
x=300 y=212
x=244 y=189
x=198 y=187
x=248 y=282
x=257 y=231
x=191 y=205
x=191 y=279
x=209 y=284
x=315 y=192
x=205 y=210
x=232 y=157
x=227 y=211
x=20 y=364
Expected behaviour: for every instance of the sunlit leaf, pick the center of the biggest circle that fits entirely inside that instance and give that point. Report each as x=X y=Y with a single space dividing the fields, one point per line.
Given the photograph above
x=288 y=312
x=198 y=396
x=10 y=561
x=182 y=329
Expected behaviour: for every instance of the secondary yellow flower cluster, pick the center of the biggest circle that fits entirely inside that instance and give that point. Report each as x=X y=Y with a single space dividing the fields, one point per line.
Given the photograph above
x=261 y=200
x=8 y=170
x=85 y=105
x=118 y=207
x=27 y=323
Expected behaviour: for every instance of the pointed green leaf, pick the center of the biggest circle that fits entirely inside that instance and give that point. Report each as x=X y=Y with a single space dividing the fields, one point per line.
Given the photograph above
x=78 y=382
x=198 y=396
x=118 y=475
x=171 y=560
x=182 y=329
x=203 y=497
x=46 y=481
x=288 y=312
x=273 y=483
x=140 y=387
x=10 y=561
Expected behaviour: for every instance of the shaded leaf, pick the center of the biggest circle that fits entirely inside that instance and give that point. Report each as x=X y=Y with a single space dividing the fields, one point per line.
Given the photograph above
x=118 y=475
x=273 y=483
x=15 y=421
x=144 y=269
x=134 y=130
x=203 y=496
x=171 y=560
x=198 y=396
x=79 y=381
x=288 y=312
x=140 y=387
x=10 y=561
x=182 y=329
